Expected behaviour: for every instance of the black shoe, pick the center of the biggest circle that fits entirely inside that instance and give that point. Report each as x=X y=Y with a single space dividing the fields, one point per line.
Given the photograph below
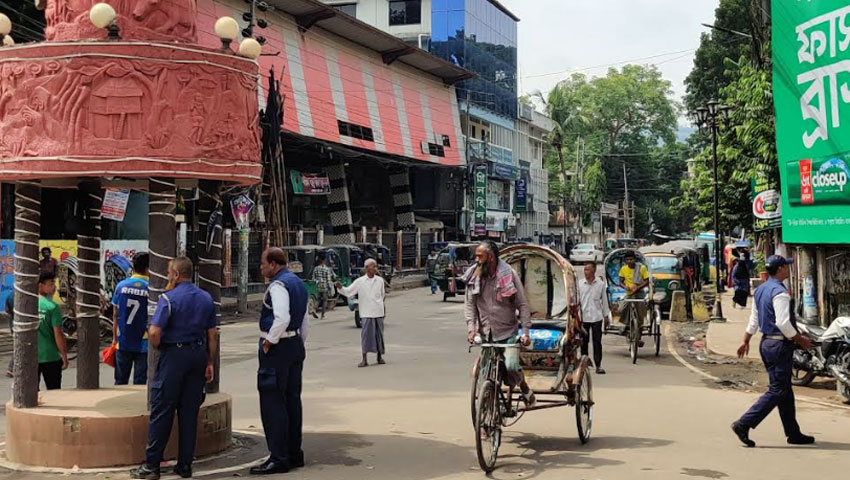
x=600 y=371
x=145 y=472
x=801 y=439
x=296 y=462
x=743 y=433
x=270 y=467
x=183 y=471
x=640 y=343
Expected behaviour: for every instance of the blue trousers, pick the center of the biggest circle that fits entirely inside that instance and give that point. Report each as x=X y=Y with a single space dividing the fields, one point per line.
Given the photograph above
x=177 y=387
x=279 y=386
x=125 y=362
x=777 y=356
x=433 y=286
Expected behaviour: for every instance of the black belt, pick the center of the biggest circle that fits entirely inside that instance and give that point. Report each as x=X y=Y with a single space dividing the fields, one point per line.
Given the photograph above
x=182 y=344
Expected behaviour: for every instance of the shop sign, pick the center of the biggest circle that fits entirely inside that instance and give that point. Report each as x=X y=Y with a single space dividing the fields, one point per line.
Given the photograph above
x=310 y=183
x=480 y=199
x=241 y=207
x=115 y=204
x=505 y=172
x=496 y=221
x=767 y=204
x=811 y=60
x=521 y=189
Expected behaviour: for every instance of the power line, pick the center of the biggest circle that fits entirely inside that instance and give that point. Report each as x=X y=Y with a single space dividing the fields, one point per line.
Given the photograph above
x=610 y=64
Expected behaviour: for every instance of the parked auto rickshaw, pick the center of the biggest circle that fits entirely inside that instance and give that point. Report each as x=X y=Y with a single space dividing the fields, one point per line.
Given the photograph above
x=674 y=268
x=381 y=254
x=351 y=261
x=452 y=263
x=302 y=260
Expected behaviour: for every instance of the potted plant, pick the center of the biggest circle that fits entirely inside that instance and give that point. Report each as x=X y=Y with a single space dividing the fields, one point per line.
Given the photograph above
x=760 y=266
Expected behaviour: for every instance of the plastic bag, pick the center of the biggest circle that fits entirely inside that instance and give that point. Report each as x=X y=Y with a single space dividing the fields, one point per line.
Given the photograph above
x=107 y=355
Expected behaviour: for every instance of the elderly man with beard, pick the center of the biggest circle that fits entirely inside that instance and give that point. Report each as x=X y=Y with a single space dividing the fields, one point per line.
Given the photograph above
x=494 y=295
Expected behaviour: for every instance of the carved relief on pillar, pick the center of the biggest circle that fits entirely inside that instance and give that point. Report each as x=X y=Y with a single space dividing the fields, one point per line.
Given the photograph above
x=156 y=20
x=196 y=112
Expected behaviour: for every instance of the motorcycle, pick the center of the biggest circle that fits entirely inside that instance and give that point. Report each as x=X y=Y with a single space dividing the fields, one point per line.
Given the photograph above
x=828 y=357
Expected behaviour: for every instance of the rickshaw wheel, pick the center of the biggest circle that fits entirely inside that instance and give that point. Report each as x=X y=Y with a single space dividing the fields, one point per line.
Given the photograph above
x=358 y=322
x=488 y=427
x=656 y=330
x=584 y=407
x=476 y=374
x=634 y=333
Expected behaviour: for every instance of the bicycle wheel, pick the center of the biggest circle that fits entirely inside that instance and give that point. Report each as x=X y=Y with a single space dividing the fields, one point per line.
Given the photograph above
x=584 y=407
x=656 y=330
x=634 y=334
x=488 y=427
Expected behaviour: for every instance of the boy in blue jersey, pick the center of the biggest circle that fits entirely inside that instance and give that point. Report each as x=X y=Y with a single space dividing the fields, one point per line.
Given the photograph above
x=130 y=323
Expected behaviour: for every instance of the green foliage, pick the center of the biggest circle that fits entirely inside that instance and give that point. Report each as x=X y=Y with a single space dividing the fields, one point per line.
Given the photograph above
x=629 y=111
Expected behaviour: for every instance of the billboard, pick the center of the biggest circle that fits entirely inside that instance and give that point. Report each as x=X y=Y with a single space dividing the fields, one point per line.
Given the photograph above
x=811 y=81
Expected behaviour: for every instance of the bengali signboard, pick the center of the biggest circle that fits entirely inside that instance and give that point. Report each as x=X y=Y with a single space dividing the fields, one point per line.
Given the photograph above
x=115 y=204
x=310 y=183
x=521 y=190
x=479 y=199
x=767 y=204
x=811 y=81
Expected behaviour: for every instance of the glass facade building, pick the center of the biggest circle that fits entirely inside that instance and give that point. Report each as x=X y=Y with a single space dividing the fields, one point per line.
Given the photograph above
x=481 y=37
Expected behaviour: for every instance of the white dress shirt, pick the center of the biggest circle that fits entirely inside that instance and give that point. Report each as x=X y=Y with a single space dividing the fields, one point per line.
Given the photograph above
x=594 y=301
x=280 y=305
x=782 y=309
x=370 y=293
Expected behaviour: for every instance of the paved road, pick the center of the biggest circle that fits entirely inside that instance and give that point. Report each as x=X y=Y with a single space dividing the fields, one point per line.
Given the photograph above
x=409 y=419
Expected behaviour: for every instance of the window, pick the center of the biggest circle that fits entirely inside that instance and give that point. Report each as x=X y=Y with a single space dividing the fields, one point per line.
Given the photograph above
x=355 y=131
x=498 y=195
x=347 y=8
x=405 y=12
x=436 y=149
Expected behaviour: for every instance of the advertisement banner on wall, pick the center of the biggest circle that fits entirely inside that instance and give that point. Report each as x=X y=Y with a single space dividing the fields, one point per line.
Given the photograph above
x=115 y=204
x=310 y=183
x=479 y=199
x=811 y=61
x=767 y=204
x=521 y=189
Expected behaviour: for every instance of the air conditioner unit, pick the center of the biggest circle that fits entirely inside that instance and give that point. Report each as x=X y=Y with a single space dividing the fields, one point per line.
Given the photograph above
x=526 y=111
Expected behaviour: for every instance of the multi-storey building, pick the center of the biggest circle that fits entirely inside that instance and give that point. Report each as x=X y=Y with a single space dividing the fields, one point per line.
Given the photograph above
x=480 y=36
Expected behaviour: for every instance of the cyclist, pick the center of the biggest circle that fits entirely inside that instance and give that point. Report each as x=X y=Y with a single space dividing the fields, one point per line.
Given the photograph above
x=634 y=277
x=494 y=294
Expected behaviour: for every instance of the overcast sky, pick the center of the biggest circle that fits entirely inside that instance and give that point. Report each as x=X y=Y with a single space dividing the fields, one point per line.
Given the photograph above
x=568 y=35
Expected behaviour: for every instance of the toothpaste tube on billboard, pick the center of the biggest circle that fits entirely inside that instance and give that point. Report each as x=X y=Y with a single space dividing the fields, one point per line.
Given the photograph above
x=820 y=181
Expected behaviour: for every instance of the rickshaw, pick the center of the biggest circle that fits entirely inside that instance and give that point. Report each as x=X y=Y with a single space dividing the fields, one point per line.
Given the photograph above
x=553 y=366
x=674 y=268
x=381 y=254
x=301 y=260
x=452 y=263
x=616 y=299
x=117 y=268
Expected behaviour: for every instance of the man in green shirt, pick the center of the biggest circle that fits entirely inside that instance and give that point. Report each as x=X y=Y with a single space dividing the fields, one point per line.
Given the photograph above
x=52 y=355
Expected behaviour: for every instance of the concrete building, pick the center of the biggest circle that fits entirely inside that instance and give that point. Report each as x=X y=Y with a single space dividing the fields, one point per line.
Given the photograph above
x=481 y=36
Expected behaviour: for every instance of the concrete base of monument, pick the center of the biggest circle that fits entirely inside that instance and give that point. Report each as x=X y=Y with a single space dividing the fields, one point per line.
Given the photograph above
x=83 y=429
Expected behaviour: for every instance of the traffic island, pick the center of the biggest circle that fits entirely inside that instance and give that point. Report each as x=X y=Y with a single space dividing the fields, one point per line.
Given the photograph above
x=102 y=428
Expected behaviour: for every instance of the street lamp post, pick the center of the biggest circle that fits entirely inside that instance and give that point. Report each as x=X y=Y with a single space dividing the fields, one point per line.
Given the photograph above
x=709 y=117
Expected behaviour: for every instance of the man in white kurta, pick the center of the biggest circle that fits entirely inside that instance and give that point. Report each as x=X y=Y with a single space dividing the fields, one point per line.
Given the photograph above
x=371 y=292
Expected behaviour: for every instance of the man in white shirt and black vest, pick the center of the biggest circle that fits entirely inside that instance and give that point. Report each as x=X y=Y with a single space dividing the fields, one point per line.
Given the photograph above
x=773 y=315
x=283 y=330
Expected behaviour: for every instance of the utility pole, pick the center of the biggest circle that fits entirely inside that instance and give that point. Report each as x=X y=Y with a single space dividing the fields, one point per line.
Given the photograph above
x=626 y=205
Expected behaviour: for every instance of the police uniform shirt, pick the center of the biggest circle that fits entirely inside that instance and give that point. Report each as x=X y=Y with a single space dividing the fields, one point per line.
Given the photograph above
x=782 y=309
x=184 y=313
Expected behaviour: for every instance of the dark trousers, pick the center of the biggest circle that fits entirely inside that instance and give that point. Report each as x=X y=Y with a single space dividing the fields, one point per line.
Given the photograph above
x=279 y=385
x=593 y=330
x=777 y=356
x=322 y=303
x=178 y=386
x=125 y=361
x=51 y=372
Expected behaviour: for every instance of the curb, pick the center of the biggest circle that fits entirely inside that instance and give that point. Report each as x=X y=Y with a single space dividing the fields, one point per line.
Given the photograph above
x=802 y=398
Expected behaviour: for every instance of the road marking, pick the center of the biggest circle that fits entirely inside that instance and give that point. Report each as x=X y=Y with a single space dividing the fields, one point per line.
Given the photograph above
x=705 y=374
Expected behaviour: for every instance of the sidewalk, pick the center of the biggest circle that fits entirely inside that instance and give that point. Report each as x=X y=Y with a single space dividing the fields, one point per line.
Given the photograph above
x=724 y=338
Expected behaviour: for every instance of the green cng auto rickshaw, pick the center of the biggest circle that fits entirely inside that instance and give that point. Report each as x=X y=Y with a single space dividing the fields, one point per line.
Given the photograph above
x=302 y=260
x=674 y=268
x=452 y=263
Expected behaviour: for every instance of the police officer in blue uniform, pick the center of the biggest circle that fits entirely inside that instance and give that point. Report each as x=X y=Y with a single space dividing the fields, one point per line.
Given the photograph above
x=184 y=330
x=773 y=315
x=283 y=329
